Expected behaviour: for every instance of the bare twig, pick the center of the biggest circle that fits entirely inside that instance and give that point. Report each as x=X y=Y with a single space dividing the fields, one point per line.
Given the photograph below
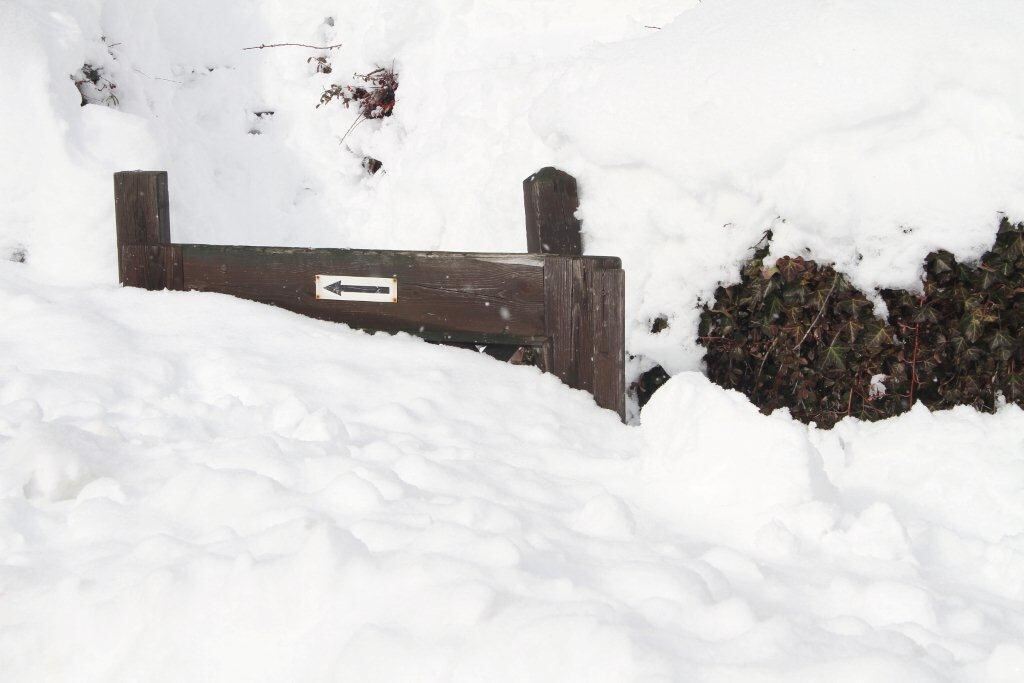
x=820 y=311
x=311 y=47
x=913 y=362
x=763 y=360
x=156 y=78
x=359 y=119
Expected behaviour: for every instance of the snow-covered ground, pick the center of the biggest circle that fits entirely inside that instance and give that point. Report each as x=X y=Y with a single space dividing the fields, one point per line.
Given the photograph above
x=194 y=487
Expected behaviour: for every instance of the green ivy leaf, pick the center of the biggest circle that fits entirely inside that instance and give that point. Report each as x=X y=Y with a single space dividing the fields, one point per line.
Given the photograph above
x=834 y=355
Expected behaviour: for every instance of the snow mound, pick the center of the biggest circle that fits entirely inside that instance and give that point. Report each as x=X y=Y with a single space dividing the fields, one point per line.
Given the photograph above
x=718 y=467
x=865 y=134
x=278 y=498
x=869 y=133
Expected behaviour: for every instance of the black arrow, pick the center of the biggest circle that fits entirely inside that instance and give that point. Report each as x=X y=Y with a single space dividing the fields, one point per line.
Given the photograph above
x=339 y=289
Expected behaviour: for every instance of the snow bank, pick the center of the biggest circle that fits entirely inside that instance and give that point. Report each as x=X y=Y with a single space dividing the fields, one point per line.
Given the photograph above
x=194 y=487
x=720 y=469
x=868 y=132
x=279 y=498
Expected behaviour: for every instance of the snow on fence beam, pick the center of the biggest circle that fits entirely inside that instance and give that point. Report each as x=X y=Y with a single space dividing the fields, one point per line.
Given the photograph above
x=569 y=306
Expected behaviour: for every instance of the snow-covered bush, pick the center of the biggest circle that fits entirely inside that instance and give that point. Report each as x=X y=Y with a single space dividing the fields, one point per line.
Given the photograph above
x=798 y=335
x=95 y=86
x=373 y=99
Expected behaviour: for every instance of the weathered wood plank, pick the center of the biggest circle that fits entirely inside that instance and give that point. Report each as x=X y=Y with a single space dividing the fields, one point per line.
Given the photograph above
x=486 y=298
x=563 y=291
x=585 y=327
x=174 y=267
x=143 y=221
x=585 y=324
x=131 y=265
x=141 y=207
x=609 y=331
x=551 y=199
x=151 y=266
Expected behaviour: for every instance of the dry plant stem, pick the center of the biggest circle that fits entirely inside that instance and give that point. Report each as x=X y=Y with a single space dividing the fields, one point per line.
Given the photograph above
x=311 y=47
x=155 y=78
x=763 y=360
x=913 y=363
x=359 y=119
x=820 y=311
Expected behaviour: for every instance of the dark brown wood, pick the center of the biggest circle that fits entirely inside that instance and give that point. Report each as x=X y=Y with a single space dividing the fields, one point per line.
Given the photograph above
x=551 y=199
x=567 y=307
x=563 y=285
x=442 y=296
x=583 y=315
x=140 y=207
x=152 y=267
x=609 y=332
x=145 y=257
x=174 y=268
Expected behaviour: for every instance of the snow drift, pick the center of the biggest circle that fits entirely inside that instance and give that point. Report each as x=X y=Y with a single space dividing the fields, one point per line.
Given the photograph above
x=869 y=133
x=197 y=487
x=280 y=498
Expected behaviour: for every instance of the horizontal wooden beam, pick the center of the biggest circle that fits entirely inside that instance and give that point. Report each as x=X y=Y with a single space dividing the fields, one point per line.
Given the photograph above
x=442 y=296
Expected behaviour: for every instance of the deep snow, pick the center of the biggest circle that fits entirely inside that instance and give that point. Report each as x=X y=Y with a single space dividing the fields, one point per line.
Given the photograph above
x=194 y=487
x=870 y=132
x=284 y=499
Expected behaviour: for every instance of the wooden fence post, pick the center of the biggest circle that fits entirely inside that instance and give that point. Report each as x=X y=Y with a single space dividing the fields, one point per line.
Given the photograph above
x=551 y=200
x=585 y=323
x=569 y=305
x=145 y=256
x=583 y=301
x=608 y=292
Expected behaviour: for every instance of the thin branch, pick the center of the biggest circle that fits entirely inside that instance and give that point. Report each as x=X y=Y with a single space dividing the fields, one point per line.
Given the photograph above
x=913 y=362
x=156 y=78
x=359 y=119
x=763 y=360
x=311 y=47
x=820 y=311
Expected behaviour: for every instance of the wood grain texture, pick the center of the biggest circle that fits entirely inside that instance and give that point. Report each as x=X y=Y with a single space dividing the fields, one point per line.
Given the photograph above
x=583 y=313
x=141 y=207
x=151 y=266
x=551 y=198
x=486 y=298
x=563 y=284
x=609 y=332
x=145 y=257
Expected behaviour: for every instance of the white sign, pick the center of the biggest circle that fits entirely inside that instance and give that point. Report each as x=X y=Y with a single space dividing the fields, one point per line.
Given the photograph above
x=347 y=288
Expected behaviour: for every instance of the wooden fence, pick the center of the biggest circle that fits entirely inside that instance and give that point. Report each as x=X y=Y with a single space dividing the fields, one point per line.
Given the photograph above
x=567 y=307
